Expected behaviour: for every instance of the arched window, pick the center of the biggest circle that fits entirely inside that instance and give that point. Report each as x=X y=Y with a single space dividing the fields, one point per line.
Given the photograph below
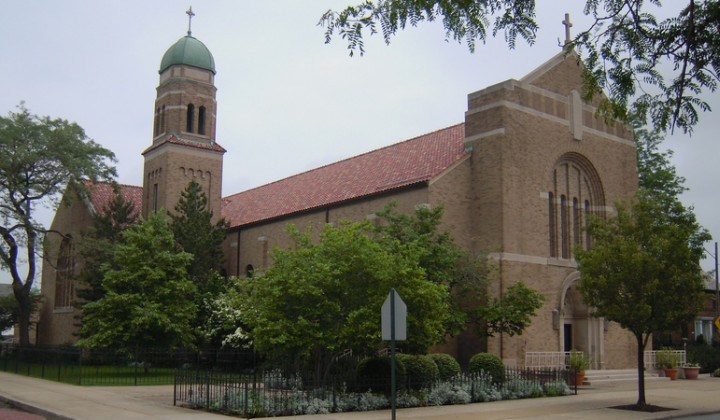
x=577 y=184
x=201 y=120
x=576 y=221
x=157 y=123
x=551 y=224
x=587 y=234
x=64 y=273
x=249 y=270
x=190 y=117
x=162 y=120
x=564 y=240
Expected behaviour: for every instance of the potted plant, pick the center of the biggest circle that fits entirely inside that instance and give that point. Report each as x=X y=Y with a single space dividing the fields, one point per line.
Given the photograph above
x=691 y=370
x=578 y=363
x=668 y=359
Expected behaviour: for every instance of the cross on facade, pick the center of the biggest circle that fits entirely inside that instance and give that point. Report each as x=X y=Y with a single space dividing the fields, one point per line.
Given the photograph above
x=568 y=25
x=190 y=16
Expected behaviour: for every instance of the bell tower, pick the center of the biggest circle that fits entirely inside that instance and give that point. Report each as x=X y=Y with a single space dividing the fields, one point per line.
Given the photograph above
x=183 y=147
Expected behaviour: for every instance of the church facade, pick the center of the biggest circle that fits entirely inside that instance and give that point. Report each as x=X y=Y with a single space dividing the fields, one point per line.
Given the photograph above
x=519 y=177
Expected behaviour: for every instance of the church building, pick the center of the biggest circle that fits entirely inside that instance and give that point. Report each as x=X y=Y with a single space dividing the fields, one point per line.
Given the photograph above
x=519 y=174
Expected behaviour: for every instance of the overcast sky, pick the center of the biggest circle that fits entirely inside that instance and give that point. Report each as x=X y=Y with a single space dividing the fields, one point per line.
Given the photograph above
x=287 y=102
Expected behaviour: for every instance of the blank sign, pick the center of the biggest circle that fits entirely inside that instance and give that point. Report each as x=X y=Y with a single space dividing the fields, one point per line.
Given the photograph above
x=394 y=299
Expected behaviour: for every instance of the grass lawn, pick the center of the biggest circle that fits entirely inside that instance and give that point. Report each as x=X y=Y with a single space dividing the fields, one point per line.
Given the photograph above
x=98 y=375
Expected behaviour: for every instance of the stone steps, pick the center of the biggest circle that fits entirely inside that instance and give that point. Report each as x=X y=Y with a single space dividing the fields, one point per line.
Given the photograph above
x=619 y=375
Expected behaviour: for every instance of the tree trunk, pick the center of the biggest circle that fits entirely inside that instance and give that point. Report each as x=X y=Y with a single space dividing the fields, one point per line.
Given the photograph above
x=641 y=371
x=22 y=295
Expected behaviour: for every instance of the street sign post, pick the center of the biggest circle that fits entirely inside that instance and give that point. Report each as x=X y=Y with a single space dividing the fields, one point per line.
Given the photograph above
x=394 y=327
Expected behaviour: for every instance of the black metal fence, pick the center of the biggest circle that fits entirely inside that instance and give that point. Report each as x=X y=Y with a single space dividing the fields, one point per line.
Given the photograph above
x=272 y=393
x=79 y=366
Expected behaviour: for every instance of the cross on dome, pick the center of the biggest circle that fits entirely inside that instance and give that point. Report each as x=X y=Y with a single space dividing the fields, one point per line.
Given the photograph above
x=190 y=16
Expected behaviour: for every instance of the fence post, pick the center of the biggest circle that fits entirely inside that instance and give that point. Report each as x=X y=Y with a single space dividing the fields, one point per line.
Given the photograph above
x=207 y=391
x=80 y=366
x=245 y=400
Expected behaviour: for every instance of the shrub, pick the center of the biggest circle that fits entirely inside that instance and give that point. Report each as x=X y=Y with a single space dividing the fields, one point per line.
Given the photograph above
x=448 y=393
x=707 y=357
x=374 y=373
x=448 y=367
x=489 y=363
x=420 y=370
x=667 y=358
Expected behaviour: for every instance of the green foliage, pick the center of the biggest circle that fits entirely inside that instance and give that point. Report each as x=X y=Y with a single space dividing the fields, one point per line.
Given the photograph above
x=707 y=357
x=196 y=233
x=9 y=309
x=467 y=276
x=652 y=69
x=667 y=357
x=578 y=361
x=95 y=246
x=643 y=269
x=148 y=299
x=657 y=175
x=322 y=299
x=39 y=156
x=421 y=370
x=629 y=52
x=374 y=373
x=224 y=327
x=416 y=237
x=511 y=314
x=193 y=227
x=490 y=364
x=448 y=367
x=463 y=20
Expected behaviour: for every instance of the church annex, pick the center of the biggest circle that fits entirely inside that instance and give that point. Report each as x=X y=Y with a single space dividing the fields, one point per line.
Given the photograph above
x=519 y=175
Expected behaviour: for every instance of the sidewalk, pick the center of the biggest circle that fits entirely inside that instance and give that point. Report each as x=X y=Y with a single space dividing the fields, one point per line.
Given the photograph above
x=60 y=401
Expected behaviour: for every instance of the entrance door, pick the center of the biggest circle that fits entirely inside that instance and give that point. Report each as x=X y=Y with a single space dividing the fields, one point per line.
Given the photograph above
x=567 y=333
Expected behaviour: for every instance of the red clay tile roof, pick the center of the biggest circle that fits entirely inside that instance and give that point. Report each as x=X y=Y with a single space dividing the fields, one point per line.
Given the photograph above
x=102 y=192
x=403 y=164
x=174 y=139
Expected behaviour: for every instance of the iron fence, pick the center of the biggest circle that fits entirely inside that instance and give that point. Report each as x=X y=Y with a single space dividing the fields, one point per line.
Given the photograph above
x=82 y=366
x=273 y=393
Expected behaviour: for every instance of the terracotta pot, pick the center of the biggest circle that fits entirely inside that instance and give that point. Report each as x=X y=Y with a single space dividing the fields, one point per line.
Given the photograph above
x=578 y=378
x=691 y=372
x=671 y=373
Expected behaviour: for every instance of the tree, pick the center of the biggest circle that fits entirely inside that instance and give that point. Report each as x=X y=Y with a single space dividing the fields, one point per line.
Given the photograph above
x=96 y=245
x=467 y=276
x=147 y=300
x=194 y=231
x=319 y=300
x=643 y=270
x=39 y=156
x=626 y=46
x=9 y=309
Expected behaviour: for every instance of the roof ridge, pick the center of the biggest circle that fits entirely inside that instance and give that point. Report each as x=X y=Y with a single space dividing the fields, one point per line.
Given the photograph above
x=416 y=138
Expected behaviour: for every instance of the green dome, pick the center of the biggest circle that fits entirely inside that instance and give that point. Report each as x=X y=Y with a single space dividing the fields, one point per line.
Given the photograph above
x=189 y=51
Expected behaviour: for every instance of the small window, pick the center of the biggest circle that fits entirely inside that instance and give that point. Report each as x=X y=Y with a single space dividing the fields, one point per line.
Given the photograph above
x=157 y=122
x=201 y=120
x=155 y=197
x=249 y=270
x=190 y=117
x=64 y=274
